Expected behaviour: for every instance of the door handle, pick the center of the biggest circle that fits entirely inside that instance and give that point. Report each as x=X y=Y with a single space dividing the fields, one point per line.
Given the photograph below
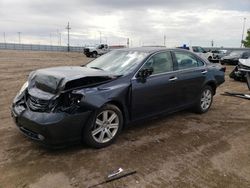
x=173 y=79
x=204 y=72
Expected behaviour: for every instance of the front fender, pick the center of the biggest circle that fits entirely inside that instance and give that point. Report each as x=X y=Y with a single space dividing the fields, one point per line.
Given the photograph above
x=97 y=97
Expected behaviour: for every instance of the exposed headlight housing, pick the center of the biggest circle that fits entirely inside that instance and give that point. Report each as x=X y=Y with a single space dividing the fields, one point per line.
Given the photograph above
x=24 y=87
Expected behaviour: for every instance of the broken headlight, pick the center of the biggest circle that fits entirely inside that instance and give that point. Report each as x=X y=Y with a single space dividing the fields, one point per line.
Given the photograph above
x=70 y=102
x=74 y=99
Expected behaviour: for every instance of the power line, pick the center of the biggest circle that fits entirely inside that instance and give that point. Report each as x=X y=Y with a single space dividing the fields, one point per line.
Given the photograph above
x=68 y=28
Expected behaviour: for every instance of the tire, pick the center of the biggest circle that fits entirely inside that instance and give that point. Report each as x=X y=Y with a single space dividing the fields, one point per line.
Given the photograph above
x=205 y=100
x=109 y=126
x=209 y=58
x=94 y=54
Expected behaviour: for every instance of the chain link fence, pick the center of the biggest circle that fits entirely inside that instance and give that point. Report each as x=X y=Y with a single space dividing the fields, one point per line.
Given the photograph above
x=37 y=47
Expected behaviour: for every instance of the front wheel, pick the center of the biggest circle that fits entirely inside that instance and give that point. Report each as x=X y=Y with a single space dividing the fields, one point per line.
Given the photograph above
x=205 y=100
x=104 y=126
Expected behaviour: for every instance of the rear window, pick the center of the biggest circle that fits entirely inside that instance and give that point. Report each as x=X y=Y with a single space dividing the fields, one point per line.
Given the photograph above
x=187 y=60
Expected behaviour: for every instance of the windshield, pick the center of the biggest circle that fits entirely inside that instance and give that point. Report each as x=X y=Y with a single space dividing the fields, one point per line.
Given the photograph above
x=236 y=53
x=118 y=62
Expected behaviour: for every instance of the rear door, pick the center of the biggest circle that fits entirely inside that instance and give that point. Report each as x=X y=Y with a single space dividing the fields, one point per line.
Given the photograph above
x=157 y=93
x=191 y=76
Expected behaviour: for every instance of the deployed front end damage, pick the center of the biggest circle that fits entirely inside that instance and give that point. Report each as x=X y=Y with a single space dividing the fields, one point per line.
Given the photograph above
x=52 y=103
x=241 y=71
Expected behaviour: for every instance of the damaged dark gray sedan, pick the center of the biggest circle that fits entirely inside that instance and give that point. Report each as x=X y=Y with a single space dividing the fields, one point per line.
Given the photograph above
x=93 y=103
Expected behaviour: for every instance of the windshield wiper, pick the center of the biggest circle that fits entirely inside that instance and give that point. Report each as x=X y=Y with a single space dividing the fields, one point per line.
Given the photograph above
x=97 y=68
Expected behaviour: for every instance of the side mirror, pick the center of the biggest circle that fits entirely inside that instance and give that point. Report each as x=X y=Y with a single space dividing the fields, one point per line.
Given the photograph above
x=144 y=73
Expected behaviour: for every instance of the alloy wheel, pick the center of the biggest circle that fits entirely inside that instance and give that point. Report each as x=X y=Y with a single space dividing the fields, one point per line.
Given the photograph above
x=206 y=99
x=106 y=126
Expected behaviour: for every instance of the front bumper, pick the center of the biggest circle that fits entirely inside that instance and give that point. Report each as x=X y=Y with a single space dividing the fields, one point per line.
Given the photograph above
x=51 y=129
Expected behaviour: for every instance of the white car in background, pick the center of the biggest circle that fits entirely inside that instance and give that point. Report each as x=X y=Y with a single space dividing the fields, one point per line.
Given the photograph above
x=199 y=51
x=94 y=51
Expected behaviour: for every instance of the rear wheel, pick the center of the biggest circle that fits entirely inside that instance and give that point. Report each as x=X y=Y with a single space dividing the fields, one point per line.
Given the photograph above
x=104 y=126
x=205 y=100
x=94 y=54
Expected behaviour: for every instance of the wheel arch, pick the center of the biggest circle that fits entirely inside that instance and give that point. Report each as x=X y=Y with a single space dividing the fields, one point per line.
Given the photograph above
x=212 y=84
x=119 y=105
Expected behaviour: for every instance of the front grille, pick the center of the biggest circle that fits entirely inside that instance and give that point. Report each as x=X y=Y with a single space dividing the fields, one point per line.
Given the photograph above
x=37 y=104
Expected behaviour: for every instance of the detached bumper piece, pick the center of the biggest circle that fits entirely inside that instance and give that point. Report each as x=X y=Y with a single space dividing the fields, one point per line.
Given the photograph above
x=240 y=95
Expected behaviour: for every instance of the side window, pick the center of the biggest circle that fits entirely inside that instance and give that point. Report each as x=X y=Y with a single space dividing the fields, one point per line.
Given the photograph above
x=161 y=62
x=195 y=49
x=201 y=50
x=186 y=60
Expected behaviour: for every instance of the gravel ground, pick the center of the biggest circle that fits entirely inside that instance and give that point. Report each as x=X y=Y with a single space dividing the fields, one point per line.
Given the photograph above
x=180 y=150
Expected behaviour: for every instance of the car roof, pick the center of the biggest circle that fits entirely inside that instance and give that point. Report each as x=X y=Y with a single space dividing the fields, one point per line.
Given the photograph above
x=150 y=49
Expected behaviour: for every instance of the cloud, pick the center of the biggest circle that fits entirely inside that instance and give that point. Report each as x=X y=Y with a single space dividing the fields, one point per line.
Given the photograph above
x=145 y=22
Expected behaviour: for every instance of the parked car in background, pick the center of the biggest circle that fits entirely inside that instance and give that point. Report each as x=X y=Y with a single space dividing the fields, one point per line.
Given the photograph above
x=234 y=56
x=237 y=74
x=218 y=54
x=94 y=102
x=199 y=51
x=94 y=51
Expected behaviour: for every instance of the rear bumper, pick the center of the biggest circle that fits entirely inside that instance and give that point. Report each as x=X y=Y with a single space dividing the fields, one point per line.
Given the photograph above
x=50 y=129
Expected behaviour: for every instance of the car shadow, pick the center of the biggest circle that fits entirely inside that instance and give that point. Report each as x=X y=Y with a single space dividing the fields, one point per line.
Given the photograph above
x=132 y=128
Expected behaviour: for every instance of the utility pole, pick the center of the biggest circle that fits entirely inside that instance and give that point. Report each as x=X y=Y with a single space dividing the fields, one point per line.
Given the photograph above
x=60 y=39
x=212 y=43
x=243 y=30
x=50 y=39
x=4 y=39
x=127 y=42
x=68 y=28
x=19 y=37
x=164 y=40
x=100 y=36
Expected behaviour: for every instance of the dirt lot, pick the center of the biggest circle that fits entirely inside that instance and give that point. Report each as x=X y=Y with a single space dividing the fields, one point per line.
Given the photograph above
x=181 y=150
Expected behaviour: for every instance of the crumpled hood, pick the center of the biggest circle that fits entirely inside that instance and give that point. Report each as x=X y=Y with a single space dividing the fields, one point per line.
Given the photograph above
x=245 y=62
x=50 y=81
x=231 y=57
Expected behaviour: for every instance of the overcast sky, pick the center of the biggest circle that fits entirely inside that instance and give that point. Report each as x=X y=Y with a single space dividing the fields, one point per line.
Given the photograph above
x=145 y=22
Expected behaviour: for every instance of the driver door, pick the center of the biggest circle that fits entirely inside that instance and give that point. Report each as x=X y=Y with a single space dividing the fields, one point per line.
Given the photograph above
x=158 y=92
